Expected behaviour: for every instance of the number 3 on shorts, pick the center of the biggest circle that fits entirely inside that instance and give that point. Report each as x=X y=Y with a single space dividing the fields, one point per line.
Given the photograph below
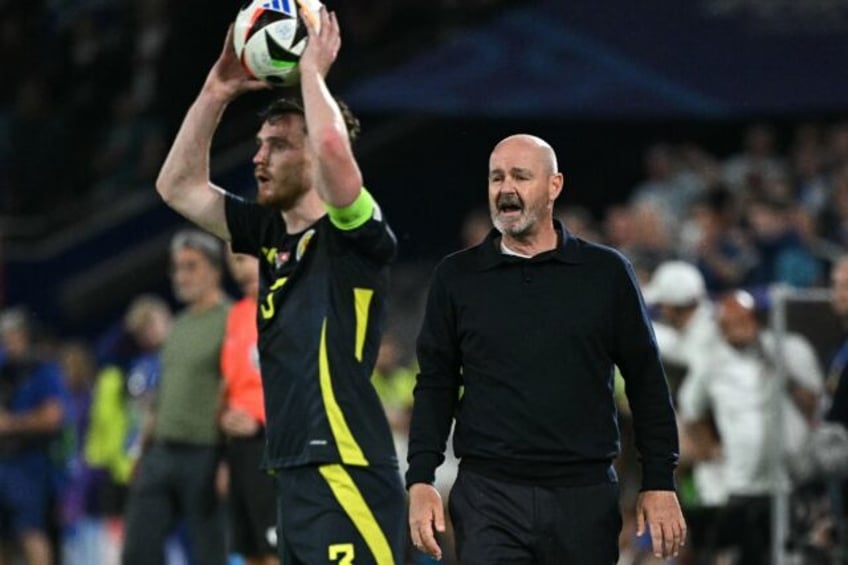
x=343 y=552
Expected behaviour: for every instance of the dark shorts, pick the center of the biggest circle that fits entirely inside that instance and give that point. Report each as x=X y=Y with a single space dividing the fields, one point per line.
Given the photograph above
x=500 y=522
x=24 y=491
x=341 y=514
x=253 y=508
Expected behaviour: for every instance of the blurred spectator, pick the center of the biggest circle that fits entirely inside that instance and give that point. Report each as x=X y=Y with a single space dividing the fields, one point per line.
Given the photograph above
x=834 y=219
x=677 y=288
x=654 y=230
x=712 y=240
x=739 y=383
x=782 y=254
x=394 y=382
x=579 y=222
x=748 y=172
x=668 y=186
x=253 y=510
x=75 y=494
x=837 y=380
x=686 y=332
x=31 y=415
x=811 y=185
x=176 y=475
x=121 y=415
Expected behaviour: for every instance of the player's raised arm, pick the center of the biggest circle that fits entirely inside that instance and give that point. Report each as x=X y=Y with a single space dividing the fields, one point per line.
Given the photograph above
x=183 y=181
x=339 y=178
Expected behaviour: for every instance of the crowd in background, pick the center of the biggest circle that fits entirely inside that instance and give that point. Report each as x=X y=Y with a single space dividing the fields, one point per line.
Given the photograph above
x=769 y=211
x=748 y=222
x=96 y=84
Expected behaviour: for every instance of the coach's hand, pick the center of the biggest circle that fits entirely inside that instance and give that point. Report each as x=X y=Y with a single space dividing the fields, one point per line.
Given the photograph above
x=660 y=511
x=425 y=511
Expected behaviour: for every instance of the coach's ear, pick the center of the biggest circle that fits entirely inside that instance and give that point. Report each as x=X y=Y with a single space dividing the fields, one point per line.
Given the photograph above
x=555 y=186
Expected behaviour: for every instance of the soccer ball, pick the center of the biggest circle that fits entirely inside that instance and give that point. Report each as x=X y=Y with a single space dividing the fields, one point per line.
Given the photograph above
x=270 y=35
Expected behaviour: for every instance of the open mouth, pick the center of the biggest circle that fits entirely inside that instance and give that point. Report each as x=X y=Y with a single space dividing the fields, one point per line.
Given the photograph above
x=509 y=209
x=509 y=204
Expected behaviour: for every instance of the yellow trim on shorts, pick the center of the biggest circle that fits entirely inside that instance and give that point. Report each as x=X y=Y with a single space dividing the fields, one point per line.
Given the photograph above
x=354 y=214
x=352 y=502
x=349 y=449
x=362 y=303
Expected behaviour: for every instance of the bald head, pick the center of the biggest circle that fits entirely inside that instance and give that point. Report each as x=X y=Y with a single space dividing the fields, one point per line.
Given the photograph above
x=737 y=318
x=523 y=185
x=542 y=151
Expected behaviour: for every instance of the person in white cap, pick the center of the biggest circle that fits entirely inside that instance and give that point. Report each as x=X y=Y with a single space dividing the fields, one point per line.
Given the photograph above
x=686 y=331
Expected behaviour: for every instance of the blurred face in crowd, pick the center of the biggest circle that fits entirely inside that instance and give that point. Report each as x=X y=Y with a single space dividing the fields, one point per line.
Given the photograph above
x=282 y=163
x=523 y=184
x=839 y=287
x=153 y=332
x=15 y=341
x=194 y=277
x=737 y=319
x=677 y=316
x=245 y=271
x=78 y=366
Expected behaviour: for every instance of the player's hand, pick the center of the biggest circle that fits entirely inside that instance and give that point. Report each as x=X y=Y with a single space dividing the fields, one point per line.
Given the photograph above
x=322 y=46
x=660 y=511
x=425 y=512
x=228 y=78
x=238 y=423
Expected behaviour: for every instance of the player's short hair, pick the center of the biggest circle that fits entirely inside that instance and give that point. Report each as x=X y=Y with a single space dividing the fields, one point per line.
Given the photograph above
x=294 y=105
x=209 y=245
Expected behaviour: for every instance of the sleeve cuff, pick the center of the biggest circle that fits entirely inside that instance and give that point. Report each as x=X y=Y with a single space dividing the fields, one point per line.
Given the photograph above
x=658 y=477
x=422 y=468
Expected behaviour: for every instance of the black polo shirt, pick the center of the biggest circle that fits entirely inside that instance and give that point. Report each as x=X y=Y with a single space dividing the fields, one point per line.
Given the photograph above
x=322 y=295
x=534 y=344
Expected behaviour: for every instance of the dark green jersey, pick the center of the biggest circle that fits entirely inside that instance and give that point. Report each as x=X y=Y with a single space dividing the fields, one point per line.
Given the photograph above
x=321 y=308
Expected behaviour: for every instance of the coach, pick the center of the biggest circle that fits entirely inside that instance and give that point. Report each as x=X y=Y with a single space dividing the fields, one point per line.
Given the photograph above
x=519 y=343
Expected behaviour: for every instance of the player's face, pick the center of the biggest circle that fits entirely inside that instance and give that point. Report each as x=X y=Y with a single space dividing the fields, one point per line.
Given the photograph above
x=519 y=189
x=282 y=163
x=193 y=276
x=839 y=286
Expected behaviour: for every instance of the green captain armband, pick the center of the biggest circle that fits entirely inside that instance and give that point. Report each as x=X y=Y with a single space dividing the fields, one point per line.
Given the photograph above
x=356 y=214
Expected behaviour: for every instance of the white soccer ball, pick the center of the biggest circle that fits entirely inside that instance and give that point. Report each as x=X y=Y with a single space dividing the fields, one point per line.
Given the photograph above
x=270 y=35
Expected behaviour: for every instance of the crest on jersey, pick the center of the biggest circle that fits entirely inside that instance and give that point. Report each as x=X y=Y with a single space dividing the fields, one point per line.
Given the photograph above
x=304 y=243
x=281 y=258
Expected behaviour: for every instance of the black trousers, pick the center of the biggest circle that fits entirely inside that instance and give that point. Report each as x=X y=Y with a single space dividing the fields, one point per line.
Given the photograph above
x=175 y=481
x=500 y=522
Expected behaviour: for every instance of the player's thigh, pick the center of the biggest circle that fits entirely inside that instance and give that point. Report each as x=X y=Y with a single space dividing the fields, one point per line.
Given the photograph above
x=344 y=515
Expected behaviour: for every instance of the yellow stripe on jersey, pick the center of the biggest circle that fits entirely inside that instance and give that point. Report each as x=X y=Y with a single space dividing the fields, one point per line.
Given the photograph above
x=355 y=214
x=354 y=505
x=348 y=448
x=362 y=301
